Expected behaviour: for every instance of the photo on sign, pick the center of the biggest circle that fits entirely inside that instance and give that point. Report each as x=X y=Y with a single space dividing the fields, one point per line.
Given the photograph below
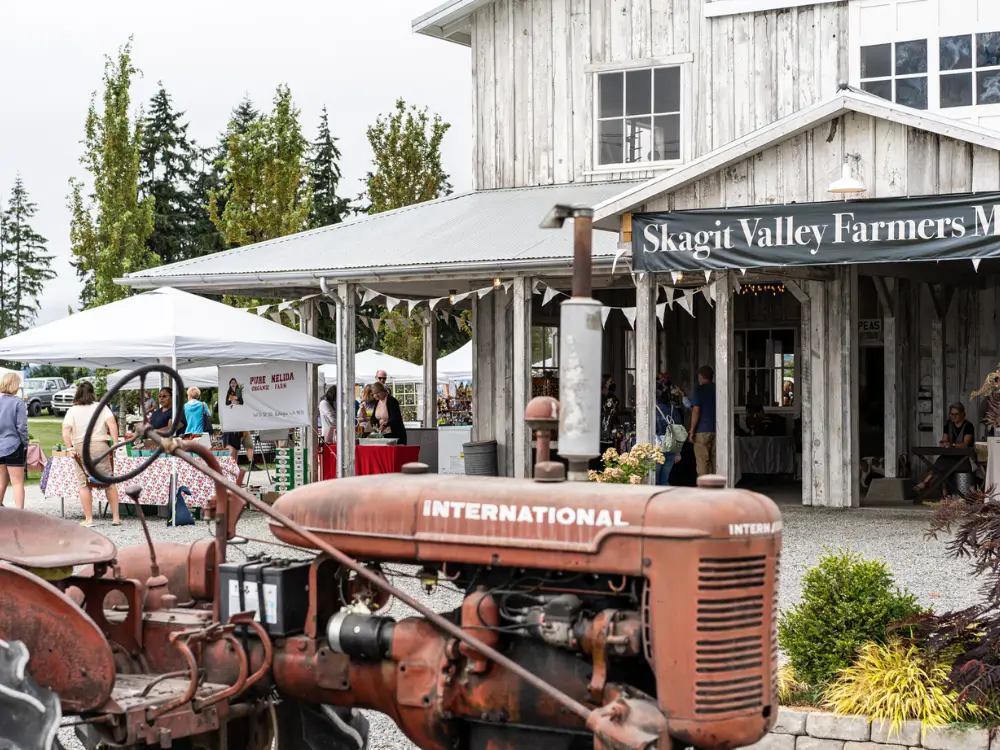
x=234 y=395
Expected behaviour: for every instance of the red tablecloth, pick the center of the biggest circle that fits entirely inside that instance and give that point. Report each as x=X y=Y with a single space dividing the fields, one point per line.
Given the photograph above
x=371 y=459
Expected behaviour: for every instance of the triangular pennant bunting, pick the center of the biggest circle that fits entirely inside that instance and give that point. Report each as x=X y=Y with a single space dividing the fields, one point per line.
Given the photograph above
x=391 y=303
x=368 y=296
x=661 y=312
x=284 y=306
x=482 y=292
x=410 y=304
x=332 y=309
x=736 y=285
x=376 y=324
x=676 y=276
x=709 y=293
x=618 y=255
x=549 y=294
x=975 y=264
x=708 y=275
x=460 y=297
x=275 y=316
x=507 y=285
x=605 y=312
x=685 y=303
x=743 y=272
x=669 y=291
x=629 y=313
x=435 y=302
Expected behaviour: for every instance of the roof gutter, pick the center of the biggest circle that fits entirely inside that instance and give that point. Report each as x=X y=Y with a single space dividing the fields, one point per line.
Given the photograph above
x=380 y=275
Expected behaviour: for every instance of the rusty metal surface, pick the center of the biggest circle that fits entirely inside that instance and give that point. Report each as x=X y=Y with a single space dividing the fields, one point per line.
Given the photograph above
x=69 y=653
x=125 y=627
x=37 y=540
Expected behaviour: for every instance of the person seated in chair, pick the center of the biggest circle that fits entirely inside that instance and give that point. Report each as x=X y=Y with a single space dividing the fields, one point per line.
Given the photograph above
x=958 y=433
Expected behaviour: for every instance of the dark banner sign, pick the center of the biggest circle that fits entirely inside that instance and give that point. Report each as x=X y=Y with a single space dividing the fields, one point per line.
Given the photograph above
x=939 y=227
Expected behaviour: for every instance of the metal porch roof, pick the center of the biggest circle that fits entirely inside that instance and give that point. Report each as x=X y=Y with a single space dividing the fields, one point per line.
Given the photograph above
x=477 y=232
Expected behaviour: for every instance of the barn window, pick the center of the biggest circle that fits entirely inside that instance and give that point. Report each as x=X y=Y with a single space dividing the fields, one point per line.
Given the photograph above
x=896 y=71
x=639 y=115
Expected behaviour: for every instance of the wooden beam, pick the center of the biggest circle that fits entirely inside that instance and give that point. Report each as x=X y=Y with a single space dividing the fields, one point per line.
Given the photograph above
x=645 y=358
x=797 y=291
x=347 y=339
x=850 y=452
x=430 y=370
x=522 y=375
x=892 y=391
x=626 y=227
x=803 y=388
x=884 y=290
x=941 y=296
x=307 y=325
x=815 y=397
x=725 y=446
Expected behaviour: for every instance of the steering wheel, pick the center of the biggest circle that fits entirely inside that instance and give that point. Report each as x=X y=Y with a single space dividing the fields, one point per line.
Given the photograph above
x=91 y=464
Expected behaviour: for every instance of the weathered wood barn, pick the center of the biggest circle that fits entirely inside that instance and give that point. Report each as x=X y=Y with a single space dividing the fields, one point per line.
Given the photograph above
x=646 y=107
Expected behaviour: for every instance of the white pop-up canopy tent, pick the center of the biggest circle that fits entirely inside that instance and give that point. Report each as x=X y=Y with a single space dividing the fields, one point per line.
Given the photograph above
x=163 y=326
x=457 y=366
x=200 y=377
x=369 y=362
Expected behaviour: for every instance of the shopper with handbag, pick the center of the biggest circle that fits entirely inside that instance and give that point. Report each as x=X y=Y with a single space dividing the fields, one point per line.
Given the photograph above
x=105 y=435
x=670 y=430
x=13 y=438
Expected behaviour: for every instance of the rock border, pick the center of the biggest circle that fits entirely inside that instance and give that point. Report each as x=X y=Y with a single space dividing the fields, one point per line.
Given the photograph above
x=817 y=730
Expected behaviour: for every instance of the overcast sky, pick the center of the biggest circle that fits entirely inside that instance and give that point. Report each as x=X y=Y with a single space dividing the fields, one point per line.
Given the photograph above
x=355 y=58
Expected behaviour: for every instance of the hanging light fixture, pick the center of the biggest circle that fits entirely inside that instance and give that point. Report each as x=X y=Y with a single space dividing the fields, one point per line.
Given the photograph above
x=451 y=296
x=847 y=184
x=497 y=283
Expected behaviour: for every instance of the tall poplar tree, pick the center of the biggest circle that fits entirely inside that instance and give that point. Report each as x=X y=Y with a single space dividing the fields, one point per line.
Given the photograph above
x=167 y=159
x=406 y=149
x=324 y=171
x=109 y=229
x=30 y=263
x=267 y=191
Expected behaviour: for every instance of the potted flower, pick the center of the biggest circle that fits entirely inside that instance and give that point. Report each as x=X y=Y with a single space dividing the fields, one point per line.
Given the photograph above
x=628 y=468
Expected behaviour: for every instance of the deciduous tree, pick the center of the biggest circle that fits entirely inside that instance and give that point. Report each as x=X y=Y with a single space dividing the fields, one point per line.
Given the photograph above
x=109 y=228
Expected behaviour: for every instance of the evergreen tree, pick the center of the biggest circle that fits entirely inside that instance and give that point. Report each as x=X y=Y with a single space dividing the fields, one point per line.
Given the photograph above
x=265 y=169
x=30 y=263
x=168 y=159
x=324 y=171
x=5 y=266
x=108 y=233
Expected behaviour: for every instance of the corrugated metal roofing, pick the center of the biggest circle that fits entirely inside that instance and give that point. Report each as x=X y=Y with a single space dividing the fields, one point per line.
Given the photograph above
x=477 y=227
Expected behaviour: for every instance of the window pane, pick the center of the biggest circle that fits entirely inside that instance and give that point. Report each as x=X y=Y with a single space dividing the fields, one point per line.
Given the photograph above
x=956 y=90
x=912 y=92
x=988 y=49
x=989 y=86
x=911 y=57
x=667 y=90
x=611 y=94
x=638 y=140
x=610 y=141
x=876 y=61
x=956 y=52
x=638 y=92
x=878 y=88
x=666 y=137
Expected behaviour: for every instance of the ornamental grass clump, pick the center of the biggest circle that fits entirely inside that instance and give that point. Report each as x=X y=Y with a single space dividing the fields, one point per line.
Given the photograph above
x=896 y=682
x=628 y=468
x=847 y=602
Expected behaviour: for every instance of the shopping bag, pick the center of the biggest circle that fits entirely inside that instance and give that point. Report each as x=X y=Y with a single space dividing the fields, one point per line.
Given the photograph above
x=181 y=513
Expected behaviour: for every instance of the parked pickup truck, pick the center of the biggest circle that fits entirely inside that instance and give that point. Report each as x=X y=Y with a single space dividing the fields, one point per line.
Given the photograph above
x=38 y=394
x=64 y=398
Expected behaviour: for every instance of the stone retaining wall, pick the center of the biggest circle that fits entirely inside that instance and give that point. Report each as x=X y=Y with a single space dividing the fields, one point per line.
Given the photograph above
x=814 y=730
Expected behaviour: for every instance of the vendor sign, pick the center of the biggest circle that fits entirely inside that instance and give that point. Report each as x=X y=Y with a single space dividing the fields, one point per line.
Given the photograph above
x=937 y=227
x=265 y=396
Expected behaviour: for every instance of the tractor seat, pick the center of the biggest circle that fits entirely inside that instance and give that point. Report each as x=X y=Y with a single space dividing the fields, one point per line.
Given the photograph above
x=35 y=540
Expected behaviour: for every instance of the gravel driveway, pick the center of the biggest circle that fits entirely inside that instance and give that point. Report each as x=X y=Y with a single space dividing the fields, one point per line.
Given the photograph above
x=896 y=536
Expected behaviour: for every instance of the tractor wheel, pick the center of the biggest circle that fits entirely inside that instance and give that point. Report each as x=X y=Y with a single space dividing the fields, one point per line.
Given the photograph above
x=306 y=726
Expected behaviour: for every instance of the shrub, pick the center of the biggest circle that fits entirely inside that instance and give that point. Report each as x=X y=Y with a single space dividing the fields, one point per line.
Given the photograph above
x=896 y=683
x=847 y=601
x=789 y=687
x=628 y=468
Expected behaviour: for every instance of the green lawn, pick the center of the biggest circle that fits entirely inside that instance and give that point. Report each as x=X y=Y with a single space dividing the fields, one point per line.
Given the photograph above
x=48 y=432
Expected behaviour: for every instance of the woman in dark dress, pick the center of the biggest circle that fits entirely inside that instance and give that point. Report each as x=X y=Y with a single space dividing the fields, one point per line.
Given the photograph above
x=958 y=433
x=388 y=415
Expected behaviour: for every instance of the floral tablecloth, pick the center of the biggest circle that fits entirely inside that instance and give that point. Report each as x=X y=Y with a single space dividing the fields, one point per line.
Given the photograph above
x=155 y=480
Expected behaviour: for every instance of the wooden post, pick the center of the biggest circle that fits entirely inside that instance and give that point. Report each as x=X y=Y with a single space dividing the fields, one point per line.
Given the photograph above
x=851 y=452
x=941 y=296
x=503 y=411
x=521 y=390
x=725 y=446
x=645 y=358
x=887 y=294
x=430 y=370
x=347 y=342
x=803 y=393
x=307 y=325
x=815 y=402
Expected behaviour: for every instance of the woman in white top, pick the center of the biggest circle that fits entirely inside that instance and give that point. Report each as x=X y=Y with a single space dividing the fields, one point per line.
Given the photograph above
x=328 y=414
x=105 y=433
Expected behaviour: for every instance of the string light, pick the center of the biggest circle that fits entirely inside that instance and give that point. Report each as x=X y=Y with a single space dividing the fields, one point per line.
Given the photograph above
x=757 y=289
x=497 y=283
x=451 y=296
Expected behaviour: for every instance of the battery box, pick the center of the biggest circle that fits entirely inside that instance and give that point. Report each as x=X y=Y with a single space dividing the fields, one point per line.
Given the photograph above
x=285 y=588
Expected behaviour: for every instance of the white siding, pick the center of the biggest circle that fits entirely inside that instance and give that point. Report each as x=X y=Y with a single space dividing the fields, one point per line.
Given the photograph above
x=534 y=92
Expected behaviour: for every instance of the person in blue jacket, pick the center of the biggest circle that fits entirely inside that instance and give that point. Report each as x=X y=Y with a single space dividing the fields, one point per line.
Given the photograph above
x=669 y=401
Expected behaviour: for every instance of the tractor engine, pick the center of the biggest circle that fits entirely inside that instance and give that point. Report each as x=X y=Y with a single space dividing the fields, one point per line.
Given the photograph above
x=660 y=594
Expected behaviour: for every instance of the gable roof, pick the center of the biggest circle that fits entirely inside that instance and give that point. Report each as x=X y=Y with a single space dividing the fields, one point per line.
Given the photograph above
x=478 y=234
x=845 y=101
x=449 y=21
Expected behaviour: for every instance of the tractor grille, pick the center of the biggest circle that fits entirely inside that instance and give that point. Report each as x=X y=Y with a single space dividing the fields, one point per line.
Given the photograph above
x=731 y=653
